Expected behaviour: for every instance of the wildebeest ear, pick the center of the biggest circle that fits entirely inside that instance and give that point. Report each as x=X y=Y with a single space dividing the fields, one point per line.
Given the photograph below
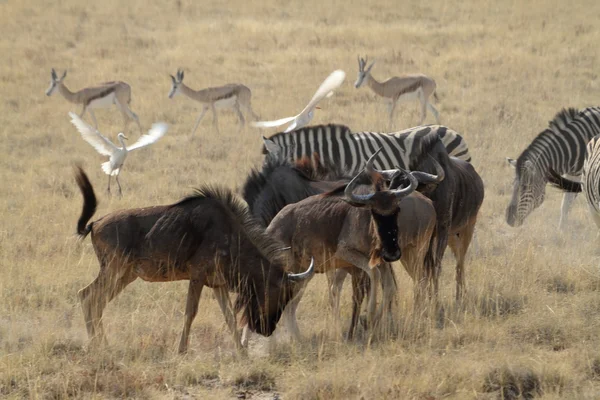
x=511 y=162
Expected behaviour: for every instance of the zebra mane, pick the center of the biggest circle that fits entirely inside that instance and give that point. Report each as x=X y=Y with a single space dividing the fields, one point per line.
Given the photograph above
x=556 y=127
x=425 y=145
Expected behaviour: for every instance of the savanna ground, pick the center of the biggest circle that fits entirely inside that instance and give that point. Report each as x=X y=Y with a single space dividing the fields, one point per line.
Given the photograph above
x=531 y=321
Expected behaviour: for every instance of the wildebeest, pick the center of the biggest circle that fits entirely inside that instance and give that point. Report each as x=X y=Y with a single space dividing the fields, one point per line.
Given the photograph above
x=344 y=229
x=208 y=238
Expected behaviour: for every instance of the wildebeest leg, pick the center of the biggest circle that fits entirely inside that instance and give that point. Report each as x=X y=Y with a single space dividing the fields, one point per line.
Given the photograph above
x=460 y=244
x=222 y=296
x=289 y=313
x=191 y=309
x=360 y=287
x=336 y=283
x=204 y=110
x=95 y=296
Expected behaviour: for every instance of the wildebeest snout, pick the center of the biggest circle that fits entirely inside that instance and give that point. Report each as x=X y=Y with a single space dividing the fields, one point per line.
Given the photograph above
x=391 y=256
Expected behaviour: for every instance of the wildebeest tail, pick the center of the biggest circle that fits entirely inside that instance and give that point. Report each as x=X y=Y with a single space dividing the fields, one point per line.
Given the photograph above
x=89 y=202
x=564 y=184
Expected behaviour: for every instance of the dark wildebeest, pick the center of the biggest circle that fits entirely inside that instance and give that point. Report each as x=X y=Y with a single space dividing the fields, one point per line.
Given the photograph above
x=367 y=231
x=208 y=238
x=280 y=183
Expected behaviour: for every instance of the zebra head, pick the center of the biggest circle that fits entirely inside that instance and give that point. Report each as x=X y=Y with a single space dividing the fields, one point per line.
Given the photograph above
x=529 y=189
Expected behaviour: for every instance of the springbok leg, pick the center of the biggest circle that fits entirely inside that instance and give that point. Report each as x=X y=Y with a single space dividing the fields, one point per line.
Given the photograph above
x=204 y=110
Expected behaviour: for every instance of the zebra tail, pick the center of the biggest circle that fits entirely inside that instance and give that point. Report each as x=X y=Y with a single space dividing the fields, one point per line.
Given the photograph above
x=564 y=184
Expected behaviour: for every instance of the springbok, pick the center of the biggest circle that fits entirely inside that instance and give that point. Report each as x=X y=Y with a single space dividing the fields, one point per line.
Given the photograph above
x=208 y=238
x=233 y=96
x=400 y=89
x=102 y=96
x=345 y=229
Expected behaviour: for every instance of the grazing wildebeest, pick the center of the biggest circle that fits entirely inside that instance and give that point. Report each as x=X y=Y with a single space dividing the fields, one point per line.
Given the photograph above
x=367 y=231
x=208 y=238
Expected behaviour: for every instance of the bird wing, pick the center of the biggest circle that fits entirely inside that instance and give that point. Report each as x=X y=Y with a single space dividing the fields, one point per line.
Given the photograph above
x=332 y=82
x=156 y=132
x=270 y=124
x=93 y=136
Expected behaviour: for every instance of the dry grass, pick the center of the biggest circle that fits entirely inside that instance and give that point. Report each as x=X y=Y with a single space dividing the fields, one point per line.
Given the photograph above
x=530 y=324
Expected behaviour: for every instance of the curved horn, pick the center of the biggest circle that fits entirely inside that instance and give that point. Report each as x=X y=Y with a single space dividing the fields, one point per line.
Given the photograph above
x=400 y=193
x=388 y=174
x=356 y=198
x=369 y=167
x=425 y=178
x=304 y=275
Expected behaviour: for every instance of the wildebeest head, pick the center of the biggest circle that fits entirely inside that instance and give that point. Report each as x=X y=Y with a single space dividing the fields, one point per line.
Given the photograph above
x=384 y=205
x=529 y=190
x=264 y=305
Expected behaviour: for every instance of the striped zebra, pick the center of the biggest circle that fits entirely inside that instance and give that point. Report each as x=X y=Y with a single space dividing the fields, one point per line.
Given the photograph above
x=338 y=145
x=590 y=179
x=559 y=148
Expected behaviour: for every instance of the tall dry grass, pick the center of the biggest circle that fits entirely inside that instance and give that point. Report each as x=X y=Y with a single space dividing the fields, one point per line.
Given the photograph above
x=531 y=323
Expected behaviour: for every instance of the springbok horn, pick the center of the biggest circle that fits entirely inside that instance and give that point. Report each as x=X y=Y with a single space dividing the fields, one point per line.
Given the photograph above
x=304 y=275
x=424 y=177
x=401 y=193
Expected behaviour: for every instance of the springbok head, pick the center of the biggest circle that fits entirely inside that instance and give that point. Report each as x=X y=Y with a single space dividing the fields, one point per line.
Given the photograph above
x=529 y=190
x=176 y=81
x=362 y=72
x=54 y=81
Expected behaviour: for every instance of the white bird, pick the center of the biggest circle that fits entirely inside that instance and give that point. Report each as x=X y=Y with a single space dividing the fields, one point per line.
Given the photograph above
x=333 y=81
x=117 y=155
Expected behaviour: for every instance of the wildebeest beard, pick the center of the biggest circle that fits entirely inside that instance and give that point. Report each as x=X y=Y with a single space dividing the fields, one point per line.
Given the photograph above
x=387 y=231
x=259 y=321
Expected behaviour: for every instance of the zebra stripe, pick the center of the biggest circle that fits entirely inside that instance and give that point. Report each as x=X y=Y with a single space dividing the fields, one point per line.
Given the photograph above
x=561 y=148
x=337 y=144
x=590 y=178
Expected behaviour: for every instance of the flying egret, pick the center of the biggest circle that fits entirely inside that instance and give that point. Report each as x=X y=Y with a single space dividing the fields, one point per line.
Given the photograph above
x=333 y=81
x=117 y=155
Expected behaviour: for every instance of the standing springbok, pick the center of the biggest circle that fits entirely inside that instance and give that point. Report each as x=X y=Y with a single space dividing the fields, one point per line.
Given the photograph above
x=400 y=89
x=232 y=95
x=102 y=96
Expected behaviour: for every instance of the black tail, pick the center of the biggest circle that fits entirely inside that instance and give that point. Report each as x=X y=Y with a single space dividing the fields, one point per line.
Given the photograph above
x=89 y=202
x=435 y=96
x=564 y=184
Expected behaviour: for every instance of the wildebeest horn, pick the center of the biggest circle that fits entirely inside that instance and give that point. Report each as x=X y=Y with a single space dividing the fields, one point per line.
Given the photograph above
x=400 y=193
x=388 y=174
x=304 y=275
x=356 y=198
x=424 y=177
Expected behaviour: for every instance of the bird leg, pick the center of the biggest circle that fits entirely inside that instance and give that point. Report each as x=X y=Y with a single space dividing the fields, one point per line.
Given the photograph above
x=108 y=188
x=119 y=185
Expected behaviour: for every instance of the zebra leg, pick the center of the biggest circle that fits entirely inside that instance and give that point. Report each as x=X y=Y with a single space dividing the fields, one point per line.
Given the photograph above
x=565 y=207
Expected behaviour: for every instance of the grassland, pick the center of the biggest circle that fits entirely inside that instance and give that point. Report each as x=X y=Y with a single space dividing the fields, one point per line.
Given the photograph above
x=531 y=322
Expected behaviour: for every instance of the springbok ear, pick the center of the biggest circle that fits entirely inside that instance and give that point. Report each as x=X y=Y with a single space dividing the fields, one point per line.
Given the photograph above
x=53 y=74
x=511 y=162
x=370 y=66
x=64 y=75
x=173 y=78
x=271 y=146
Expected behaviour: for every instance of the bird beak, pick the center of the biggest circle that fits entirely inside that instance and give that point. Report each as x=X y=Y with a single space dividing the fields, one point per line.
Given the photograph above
x=318 y=108
x=125 y=137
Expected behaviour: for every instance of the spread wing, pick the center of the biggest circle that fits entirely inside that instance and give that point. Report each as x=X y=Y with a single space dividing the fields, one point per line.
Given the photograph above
x=156 y=132
x=270 y=124
x=332 y=82
x=93 y=136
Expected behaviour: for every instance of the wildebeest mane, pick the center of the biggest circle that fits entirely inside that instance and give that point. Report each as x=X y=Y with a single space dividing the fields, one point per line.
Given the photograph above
x=237 y=208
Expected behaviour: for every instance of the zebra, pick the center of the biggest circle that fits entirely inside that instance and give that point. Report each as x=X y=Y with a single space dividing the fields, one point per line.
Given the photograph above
x=337 y=144
x=590 y=179
x=560 y=148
